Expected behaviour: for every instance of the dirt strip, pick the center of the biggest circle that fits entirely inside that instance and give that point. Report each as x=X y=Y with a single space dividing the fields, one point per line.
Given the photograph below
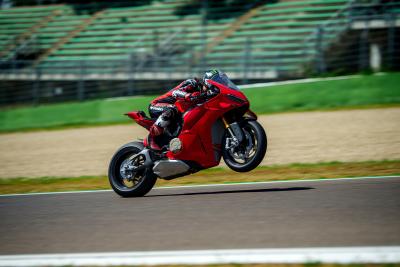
x=306 y=137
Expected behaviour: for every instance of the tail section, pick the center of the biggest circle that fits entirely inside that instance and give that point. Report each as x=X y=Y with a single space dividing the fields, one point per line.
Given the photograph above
x=141 y=118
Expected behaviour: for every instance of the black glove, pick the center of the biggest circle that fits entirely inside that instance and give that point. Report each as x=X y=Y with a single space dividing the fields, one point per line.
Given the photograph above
x=197 y=96
x=212 y=92
x=192 y=82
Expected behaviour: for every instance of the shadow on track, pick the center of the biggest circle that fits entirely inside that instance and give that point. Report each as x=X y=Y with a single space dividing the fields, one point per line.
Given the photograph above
x=234 y=191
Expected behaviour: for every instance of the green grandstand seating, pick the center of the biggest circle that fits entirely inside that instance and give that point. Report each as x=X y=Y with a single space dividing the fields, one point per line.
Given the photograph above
x=276 y=33
x=59 y=28
x=124 y=31
x=78 y=58
x=17 y=21
x=118 y=32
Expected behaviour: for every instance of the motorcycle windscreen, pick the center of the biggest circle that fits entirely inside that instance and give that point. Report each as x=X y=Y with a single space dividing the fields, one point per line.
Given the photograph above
x=224 y=80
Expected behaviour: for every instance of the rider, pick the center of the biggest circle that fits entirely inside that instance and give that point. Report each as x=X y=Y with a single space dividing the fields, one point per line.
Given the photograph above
x=192 y=91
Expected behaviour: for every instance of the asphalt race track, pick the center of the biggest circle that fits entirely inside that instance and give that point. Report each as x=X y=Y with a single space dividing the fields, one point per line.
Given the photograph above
x=359 y=212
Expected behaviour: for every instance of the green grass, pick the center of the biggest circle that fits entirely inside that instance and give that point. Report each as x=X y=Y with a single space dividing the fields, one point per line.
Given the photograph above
x=213 y=176
x=310 y=264
x=358 y=92
x=364 y=91
x=96 y=112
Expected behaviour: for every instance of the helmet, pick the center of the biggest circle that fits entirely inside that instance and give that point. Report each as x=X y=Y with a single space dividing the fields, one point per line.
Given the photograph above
x=208 y=75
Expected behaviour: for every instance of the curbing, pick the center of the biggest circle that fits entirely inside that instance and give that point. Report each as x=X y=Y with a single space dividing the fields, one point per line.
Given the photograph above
x=338 y=255
x=207 y=185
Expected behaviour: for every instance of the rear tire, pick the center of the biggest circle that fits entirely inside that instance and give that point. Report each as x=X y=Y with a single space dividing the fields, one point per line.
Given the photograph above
x=255 y=136
x=144 y=179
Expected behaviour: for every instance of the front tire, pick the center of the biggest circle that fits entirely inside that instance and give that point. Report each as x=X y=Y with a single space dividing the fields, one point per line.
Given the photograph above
x=139 y=183
x=249 y=154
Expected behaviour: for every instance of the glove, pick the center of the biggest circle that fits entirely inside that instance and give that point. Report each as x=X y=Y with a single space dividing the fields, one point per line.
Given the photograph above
x=192 y=82
x=212 y=92
x=195 y=97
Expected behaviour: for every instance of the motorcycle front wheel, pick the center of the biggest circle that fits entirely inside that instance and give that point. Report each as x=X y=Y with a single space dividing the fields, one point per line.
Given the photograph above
x=125 y=182
x=250 y=152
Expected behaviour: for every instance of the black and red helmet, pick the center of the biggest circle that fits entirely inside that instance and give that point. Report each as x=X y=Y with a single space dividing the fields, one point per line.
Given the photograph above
x=209 y=75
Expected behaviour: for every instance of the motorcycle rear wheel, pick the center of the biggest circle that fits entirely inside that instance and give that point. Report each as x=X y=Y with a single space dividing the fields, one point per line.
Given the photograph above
x=140 y=183
x=254 y=145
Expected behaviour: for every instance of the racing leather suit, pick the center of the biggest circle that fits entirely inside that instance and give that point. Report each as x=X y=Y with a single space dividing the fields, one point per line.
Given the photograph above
x=163 y=107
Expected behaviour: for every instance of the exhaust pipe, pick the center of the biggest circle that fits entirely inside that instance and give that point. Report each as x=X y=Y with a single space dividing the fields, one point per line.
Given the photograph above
x=168 y=169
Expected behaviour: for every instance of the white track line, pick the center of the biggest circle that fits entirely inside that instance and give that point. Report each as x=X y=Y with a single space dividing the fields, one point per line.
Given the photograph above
x=308 y=80
x=342 y=255
x=283 y=181
x=210 y=185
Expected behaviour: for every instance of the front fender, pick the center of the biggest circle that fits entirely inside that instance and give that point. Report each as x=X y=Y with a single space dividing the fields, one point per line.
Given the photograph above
x=250 y=115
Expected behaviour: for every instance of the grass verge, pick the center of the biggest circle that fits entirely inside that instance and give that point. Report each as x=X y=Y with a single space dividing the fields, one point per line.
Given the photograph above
x=215 y=175
x=357 y=92
x=292 y=265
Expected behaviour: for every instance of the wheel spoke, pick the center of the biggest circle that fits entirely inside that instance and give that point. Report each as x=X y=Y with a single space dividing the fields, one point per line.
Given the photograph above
x=130 y=178
x=246 y=151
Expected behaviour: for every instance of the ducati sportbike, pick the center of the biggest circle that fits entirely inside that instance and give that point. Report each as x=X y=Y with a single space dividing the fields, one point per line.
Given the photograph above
x=222 y=126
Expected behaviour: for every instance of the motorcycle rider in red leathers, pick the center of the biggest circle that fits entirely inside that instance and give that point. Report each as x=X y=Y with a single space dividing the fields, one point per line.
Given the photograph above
x=191 y=91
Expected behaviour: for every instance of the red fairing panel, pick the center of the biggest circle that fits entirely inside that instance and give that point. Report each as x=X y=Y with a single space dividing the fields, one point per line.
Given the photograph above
x=196 y=133
x=140 y=119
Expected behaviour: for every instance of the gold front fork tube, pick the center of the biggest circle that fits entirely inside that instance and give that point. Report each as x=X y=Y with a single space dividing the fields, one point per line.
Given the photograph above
x=229 y=128
x=225 y=123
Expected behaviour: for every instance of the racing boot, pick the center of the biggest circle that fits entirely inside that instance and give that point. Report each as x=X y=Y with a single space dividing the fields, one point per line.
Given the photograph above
x=155 y=130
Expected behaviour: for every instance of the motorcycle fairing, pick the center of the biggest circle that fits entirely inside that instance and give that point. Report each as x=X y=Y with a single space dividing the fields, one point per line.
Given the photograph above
x=141 y=119
x=196 y=135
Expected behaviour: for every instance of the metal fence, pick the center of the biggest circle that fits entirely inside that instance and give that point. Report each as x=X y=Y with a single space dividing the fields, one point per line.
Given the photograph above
x=84 y=80
x=363 y=36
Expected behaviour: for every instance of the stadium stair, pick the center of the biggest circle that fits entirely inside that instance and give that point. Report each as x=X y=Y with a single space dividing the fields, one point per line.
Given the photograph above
x=276 y=36
x=73 y=28
x=228 y=32
x=16 y=28
x=141 y=31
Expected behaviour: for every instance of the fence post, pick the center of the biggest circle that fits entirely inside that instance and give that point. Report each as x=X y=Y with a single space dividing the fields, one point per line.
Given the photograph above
x=155 y=39
x=246 y=60
x=350 y=15
x=131 y=61
x=363 y=48
x=190 y=62
x=278 y=63
x=204 y=34
x=391 y=21
x=81 y=81
x=156 y=62
x=14 y=65
x=36 y=86
x=320 y=60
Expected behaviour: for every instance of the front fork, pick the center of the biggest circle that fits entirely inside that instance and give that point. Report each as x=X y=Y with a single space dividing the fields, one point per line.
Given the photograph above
x=240 y=143
x=235 y=132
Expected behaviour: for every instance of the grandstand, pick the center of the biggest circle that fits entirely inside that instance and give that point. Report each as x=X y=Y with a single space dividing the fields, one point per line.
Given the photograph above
x=277 y=33
x=18 y=25
x=81 y=44
x=143 y=32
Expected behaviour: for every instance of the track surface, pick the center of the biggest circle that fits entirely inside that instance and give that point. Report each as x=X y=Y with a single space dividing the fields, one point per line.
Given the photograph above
x=294 y=214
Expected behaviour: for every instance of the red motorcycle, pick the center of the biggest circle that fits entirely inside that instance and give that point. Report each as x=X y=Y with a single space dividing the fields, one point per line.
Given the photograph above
x=221 y=126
